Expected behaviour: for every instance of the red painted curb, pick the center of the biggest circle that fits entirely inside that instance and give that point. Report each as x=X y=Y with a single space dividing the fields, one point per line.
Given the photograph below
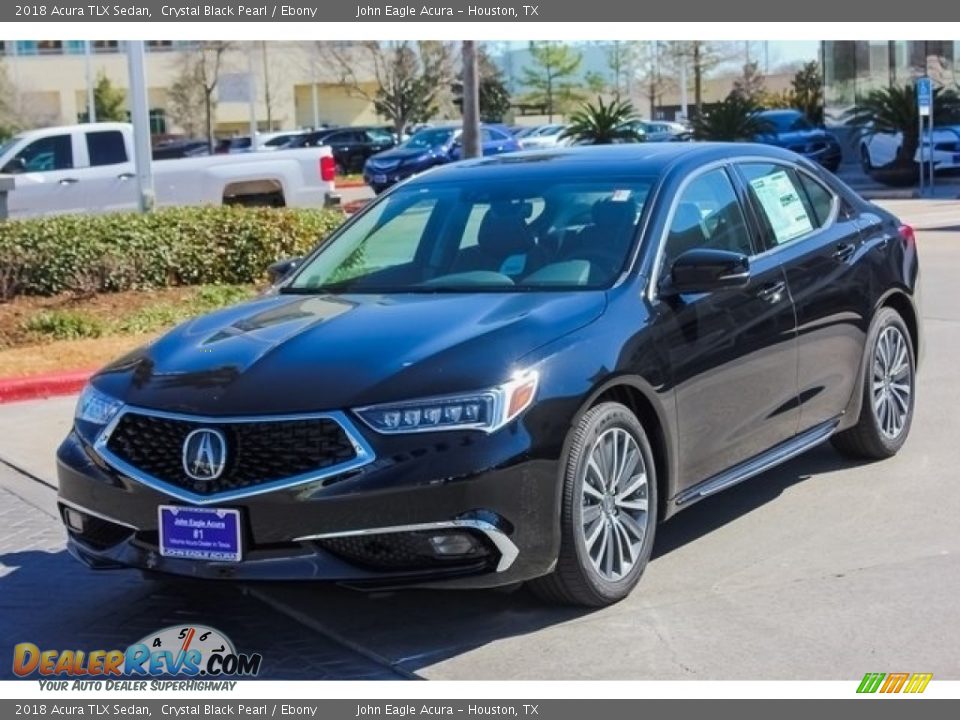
x=349 y=183
x=31 y=387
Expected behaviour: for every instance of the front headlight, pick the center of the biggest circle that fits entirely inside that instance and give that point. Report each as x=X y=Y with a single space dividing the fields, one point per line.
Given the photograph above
x=96 y=407
x=487 y=410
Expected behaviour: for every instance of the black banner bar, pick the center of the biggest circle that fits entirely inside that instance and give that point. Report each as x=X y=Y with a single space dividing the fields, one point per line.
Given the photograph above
x=734 y=11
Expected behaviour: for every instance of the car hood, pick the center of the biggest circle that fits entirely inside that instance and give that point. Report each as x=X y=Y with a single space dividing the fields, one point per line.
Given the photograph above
x=297 y=353
x=404 y=153
x=795 y=136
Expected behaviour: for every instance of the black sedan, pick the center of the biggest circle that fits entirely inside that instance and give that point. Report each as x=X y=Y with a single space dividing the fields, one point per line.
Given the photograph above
x=351 y=146
x=508 y=369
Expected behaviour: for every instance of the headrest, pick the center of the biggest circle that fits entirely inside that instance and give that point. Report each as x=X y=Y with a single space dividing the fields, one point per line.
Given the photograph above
x=503 y=230
x=614 y=214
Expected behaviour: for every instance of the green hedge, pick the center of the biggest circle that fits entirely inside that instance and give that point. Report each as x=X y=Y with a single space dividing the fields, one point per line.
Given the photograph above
x=173 y=246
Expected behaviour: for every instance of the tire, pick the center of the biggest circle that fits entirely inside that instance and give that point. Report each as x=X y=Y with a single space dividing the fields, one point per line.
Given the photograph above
x=579 y=578
x=880 y=434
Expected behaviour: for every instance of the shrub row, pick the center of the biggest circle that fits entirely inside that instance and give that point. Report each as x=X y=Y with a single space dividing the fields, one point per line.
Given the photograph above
x=168 y=247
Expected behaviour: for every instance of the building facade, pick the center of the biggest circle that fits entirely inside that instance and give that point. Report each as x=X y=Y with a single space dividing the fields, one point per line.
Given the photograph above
x=50 y=83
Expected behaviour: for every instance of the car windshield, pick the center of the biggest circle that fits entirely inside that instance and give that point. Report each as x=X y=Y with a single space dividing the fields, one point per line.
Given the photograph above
x=4 y=147
x=430 y=138
x=526 y=233
x=787 y=122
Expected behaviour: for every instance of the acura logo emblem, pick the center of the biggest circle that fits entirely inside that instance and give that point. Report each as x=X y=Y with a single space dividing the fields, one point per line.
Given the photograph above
x=204 y=454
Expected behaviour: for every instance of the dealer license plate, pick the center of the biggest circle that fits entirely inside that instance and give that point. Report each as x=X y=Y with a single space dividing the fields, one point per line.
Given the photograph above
x=200 y=533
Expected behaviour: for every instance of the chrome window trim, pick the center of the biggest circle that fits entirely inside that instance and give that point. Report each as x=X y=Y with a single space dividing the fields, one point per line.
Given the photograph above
x=675 y=201
x=828 y=223
x=728 y=163
x=365 y=454
x=508 y=551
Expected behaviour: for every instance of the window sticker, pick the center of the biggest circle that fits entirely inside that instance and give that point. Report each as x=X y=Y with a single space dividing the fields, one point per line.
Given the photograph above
x=620 y=195
x=783 y=206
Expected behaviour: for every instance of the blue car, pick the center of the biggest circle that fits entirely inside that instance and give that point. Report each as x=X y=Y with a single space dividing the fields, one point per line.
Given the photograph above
x=792 y=130
x=428 y=148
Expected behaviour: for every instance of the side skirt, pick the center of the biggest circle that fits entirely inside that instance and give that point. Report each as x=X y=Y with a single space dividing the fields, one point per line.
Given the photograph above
x=757 y=464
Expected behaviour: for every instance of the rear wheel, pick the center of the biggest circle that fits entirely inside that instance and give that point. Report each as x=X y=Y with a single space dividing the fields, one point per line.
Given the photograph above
x=889 y=385
x=609 y=511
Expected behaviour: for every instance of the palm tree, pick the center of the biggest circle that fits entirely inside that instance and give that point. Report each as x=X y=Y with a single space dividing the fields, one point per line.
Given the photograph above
x=893 y=110
x=733 y=120
x=602 y=124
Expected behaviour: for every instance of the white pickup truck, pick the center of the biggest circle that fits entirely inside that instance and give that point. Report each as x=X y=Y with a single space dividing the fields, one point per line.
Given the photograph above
x=89 y=168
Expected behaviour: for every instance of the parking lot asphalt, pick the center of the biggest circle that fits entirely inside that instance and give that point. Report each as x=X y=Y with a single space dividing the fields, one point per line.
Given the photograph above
x=820 y=569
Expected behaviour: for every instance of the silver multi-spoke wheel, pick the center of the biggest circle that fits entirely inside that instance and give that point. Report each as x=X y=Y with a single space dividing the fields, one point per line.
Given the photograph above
x=892 y=382
x=614 y=503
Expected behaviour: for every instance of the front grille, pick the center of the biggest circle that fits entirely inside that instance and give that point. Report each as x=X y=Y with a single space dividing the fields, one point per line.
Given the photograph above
x=400 y=551
x=257 y=452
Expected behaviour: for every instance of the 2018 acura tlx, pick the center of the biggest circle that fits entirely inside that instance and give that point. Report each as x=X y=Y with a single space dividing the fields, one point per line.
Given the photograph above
x=508 y=369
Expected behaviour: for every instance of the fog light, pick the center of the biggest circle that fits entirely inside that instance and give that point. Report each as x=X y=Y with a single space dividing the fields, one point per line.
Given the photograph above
x=455 y=543
x=74 y=519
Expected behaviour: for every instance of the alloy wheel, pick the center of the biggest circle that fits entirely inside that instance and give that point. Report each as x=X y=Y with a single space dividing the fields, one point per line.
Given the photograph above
x=892 y=382
x=614 y=504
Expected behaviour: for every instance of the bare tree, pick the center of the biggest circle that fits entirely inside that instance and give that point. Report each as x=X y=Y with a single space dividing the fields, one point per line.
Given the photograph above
x=272 y=85
x=201 y=68
x=405 y=81
x=750 y=85
x=185 y=102
x=701 y=57
x=653 y=74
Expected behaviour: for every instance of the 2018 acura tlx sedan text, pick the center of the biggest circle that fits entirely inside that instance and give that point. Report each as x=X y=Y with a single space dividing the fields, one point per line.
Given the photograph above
x=508 y=369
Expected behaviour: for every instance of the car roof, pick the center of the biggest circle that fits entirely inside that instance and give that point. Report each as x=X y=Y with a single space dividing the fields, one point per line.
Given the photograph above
x=634 y=159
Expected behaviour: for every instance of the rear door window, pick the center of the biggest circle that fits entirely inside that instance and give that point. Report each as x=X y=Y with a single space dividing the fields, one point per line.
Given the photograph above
x=106 y=148
x=782 y=204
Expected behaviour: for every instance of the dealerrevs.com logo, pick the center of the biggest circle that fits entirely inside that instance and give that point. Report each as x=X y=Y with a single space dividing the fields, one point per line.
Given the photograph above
x=894 y=683
x=194 y=651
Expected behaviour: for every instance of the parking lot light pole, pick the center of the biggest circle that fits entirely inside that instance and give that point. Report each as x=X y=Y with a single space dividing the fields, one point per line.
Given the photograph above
x=140 y=117
x=471 y=101
x=91 y=97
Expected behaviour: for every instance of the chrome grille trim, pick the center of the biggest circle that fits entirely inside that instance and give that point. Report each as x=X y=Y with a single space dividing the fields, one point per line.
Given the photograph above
x=364 y=454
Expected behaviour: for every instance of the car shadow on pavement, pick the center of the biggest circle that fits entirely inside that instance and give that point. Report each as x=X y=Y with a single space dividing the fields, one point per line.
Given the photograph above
x=51 y=600
x=415 y=630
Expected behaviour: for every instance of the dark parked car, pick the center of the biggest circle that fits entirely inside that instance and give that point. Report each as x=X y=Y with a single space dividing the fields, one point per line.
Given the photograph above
x=351 y=146
x=509 y=369
x=429 y=148
x=176 y=149
x=790 y=129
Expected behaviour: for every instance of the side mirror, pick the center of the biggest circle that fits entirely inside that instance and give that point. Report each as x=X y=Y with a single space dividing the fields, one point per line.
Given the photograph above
x=282 y=268
x=15 y=166
x=703 y=270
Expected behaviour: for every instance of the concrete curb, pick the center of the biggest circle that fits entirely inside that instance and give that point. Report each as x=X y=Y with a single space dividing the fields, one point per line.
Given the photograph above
x=32 y=387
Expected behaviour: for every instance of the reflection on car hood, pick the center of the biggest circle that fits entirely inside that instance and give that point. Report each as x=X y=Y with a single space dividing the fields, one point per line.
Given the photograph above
x=297 y=353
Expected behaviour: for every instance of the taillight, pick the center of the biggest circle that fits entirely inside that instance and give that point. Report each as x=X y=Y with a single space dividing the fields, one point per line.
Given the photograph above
x=328 y=168
x=907 y=233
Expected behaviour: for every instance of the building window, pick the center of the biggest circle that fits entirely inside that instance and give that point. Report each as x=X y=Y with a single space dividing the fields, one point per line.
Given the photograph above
x=105 y=46
x=26 y=47
x=74 y=47
x=158 y=121
x=50 y=47
x=159 y=45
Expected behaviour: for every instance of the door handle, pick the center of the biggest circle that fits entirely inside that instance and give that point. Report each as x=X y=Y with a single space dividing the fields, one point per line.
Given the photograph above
x=772 y=292
x=126 y=176
x=844 y=251
x=68 y=181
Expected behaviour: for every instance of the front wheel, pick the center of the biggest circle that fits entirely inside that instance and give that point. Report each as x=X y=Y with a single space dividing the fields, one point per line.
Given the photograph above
x=889 y=389
x=609 y=511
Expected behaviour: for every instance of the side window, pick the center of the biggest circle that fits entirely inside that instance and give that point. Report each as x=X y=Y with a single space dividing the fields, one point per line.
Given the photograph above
x=46 y=154
x=106 y=148
x=783 y=206
x=707 y=215
x=820 y=198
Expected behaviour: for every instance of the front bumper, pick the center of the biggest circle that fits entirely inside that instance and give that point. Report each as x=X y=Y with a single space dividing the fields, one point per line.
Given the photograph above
x=489 y=487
